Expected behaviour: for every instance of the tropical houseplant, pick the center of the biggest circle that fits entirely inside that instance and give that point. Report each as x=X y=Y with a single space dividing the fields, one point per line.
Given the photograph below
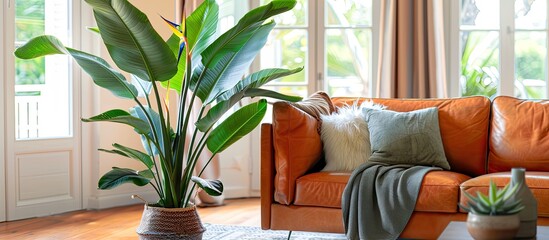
x=196 y=62
x=493 y=216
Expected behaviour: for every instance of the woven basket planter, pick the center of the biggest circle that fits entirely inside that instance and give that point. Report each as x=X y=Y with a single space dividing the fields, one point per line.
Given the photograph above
x=170 y=223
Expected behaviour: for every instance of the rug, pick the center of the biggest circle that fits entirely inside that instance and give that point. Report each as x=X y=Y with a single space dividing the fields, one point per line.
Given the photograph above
x=226 y=232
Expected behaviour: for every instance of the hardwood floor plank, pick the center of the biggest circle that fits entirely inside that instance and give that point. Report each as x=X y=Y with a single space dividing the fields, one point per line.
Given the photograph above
x=120 y=222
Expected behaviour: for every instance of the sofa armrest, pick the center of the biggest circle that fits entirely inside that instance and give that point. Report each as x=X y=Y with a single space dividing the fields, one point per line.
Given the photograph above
x=297 y=148
x=267 y=174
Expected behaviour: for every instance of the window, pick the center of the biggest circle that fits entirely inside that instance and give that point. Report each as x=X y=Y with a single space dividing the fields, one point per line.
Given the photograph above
x=42 y=86
x=502 y=48
x=332 y=39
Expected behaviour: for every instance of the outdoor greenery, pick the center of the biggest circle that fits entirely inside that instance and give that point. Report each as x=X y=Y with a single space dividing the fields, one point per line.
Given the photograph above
x=479 y=67
x=200 y=64
x=29 y=22
x=347 y=51
x=497 y=202
x=480 y=70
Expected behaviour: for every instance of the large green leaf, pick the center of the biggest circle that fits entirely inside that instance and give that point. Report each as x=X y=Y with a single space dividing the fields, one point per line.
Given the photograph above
x=143 y=87
x=201 y=28
x=258 y=92
x=131 y=153
x=156 y=125
x=227 y=58
x=121 y=116
x=256 y=80
x=118 y=176
x=100 y=71
x=228 y=42
x=131 y=40
x=212 y=187
x=176 y=81
x=236 y=126
x=39 y=47
x=247 y=87
x=217 y=111
x=217 y=78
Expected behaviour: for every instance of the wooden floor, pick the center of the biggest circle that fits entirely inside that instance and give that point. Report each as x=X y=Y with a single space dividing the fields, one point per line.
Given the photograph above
x=120 y=223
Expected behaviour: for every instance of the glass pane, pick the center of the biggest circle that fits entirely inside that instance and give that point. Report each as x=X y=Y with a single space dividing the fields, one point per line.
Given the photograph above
x=348 y=61
x=286 y=49
x=29 y=19
x=530 y=64
x=295 y=17
x=530 y=14
x=481 y=14
x=348 y=12
x=289 y=90
x=479 y=63
x=42 y=86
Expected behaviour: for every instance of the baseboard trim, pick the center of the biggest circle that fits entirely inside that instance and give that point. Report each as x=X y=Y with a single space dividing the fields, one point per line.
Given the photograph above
x=116 y=200
x=236 y=192
x=124 y=199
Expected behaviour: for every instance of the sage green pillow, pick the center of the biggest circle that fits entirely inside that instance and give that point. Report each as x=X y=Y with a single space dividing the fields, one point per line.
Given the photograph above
x=406 y=137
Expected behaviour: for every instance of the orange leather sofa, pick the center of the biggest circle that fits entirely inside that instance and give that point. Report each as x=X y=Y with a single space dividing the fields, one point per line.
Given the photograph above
x=482 y=139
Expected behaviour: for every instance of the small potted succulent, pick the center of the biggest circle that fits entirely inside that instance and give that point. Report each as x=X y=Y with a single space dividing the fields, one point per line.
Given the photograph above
x=493 y=216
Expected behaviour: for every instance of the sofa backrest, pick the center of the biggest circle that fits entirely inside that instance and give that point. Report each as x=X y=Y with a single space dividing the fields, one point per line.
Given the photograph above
x=519 y=135
x=463 y=124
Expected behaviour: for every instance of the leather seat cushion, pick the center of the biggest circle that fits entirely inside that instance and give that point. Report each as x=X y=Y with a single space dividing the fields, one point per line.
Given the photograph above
x=439 y=191
x=321 y=189
x=538 y=182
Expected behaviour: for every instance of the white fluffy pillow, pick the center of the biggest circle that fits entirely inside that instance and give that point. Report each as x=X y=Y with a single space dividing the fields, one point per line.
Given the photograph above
x=346 y=138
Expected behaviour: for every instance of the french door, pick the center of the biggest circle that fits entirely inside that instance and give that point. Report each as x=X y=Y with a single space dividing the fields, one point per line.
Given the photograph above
x=42 y=127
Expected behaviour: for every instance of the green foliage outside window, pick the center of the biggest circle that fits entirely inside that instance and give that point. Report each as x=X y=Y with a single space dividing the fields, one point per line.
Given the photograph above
x=29 y=22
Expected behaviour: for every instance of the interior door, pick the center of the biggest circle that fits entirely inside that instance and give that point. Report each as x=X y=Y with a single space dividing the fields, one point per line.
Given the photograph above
x=43 y=173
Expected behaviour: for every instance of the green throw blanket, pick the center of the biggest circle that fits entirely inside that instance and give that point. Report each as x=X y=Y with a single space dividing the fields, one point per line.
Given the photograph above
x=379 y=199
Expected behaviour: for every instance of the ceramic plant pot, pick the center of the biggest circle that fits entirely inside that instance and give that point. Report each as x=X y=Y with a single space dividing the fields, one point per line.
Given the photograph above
x=485 y=227
x=170 y=223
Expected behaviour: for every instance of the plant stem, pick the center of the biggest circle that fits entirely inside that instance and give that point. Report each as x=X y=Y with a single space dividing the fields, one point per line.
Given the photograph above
x=159 y=183
x=166 y=147
x=189 y=194
x=155 y=188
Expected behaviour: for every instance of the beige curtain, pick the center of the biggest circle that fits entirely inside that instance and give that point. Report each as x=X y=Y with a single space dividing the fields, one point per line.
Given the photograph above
x=411 y=57
x=213 y=169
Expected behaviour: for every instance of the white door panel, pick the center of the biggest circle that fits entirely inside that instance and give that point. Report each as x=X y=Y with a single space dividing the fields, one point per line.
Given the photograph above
x=43 y=183
x=42 y=127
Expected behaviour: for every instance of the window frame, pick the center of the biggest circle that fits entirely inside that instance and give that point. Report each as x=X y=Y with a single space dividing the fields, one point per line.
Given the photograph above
x=506 y=49
x=316 y=72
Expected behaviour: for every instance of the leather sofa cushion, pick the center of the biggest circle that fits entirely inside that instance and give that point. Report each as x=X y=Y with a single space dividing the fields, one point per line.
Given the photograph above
x=322 y=189
x=439 y=191
x=538 y=182
x=463 y=127
x=519 y=135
